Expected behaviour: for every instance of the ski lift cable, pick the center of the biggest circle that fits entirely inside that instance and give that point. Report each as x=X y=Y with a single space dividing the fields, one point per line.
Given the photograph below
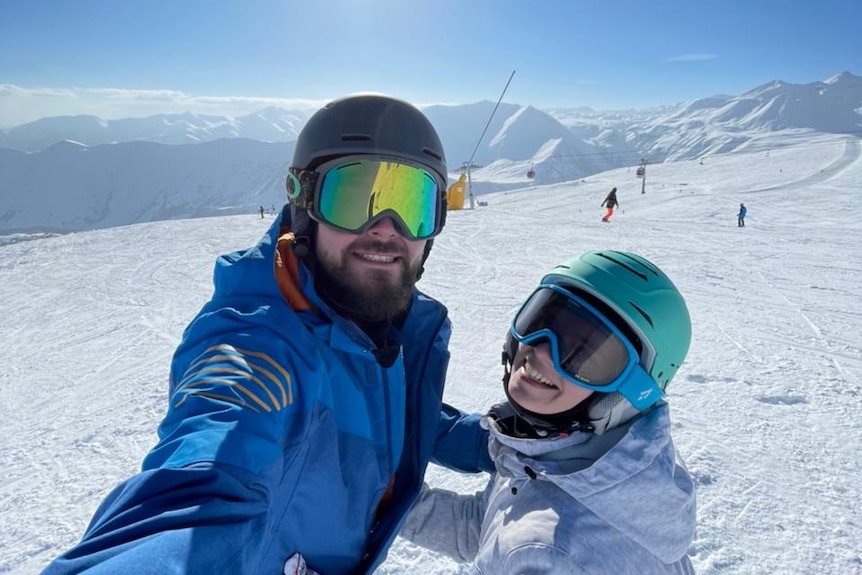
x=494 y=111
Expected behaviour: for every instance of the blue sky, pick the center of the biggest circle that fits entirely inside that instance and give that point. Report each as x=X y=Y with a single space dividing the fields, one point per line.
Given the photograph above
x=116 y=58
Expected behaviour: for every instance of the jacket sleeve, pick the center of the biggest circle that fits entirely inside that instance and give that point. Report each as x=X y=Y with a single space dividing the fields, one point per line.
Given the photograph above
x=462 y=443
x=446 y=522
x=169 y=521
x=203 y=501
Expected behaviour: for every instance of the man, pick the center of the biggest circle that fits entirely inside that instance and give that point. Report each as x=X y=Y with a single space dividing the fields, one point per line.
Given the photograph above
x=306 y=395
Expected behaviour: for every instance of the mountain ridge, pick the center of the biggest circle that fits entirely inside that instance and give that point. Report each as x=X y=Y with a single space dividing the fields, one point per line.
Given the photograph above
x=225 y=171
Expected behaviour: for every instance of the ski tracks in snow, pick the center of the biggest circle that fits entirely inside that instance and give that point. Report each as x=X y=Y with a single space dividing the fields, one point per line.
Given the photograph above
x=88 y=383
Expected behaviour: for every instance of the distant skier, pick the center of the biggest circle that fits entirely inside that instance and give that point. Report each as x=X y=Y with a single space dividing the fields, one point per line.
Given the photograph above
x=261 y=212
x=741 y=215
x=610 y=202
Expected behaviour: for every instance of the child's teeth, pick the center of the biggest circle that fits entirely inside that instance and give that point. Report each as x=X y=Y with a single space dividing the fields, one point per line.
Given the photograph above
x=536 y=376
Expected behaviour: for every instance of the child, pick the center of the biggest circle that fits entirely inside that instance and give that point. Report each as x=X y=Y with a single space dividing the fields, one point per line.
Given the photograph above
x=588 y=480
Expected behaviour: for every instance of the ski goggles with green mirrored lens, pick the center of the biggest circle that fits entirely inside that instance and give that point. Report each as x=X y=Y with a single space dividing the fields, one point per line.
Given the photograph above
x=352 y=193
x=586 y=347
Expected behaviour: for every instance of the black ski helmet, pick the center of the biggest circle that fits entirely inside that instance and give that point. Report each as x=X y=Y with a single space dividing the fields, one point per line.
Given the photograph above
x=365 y=123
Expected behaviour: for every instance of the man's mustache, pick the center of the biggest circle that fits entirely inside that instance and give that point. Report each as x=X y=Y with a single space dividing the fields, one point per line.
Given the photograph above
x=389 y=248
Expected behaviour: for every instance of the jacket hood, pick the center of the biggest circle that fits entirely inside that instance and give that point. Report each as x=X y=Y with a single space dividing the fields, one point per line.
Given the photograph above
x=238 y=272
x=629 y=477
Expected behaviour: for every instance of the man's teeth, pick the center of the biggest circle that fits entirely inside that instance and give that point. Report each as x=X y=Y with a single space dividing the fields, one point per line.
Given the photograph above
x=536 y=376
x=378 y=258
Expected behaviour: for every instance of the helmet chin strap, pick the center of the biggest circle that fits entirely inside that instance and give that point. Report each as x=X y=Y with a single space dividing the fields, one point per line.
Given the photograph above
x=303 y=227
x=302 y=246
x=425 y=255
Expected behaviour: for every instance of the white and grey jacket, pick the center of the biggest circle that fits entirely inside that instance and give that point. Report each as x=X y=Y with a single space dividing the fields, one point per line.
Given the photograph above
x=620 y=503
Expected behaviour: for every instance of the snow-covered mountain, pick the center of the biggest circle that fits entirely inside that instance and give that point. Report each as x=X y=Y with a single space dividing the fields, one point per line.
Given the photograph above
x=62 y=173
x=70 y=186
x=268 y=125
x=721 y=124
x=518 y=137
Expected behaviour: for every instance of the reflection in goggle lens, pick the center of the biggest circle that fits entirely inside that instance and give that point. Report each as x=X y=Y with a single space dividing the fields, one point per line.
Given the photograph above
x=354 y=193
x=586 y=347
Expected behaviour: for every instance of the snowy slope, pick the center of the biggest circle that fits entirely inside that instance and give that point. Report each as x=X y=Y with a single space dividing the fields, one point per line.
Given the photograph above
x=767 y=409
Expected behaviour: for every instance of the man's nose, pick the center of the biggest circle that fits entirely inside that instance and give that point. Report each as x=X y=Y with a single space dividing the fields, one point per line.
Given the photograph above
x=384 y=227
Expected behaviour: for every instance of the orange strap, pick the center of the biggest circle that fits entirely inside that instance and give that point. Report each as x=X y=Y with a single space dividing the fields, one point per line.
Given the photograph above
x=287 y=272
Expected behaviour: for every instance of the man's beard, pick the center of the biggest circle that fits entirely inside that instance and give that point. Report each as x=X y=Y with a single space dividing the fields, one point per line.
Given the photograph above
x=374 y=299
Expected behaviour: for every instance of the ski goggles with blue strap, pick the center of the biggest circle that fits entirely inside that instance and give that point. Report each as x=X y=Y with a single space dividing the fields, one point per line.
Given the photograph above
x=586 y=347
x=352 y=193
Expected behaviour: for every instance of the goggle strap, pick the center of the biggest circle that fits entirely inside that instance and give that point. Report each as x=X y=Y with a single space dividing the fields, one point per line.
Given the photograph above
x=641 y=392
x=307 y=180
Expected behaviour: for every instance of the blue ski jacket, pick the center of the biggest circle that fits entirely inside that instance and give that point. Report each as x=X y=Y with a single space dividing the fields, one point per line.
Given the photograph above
x=284 y=433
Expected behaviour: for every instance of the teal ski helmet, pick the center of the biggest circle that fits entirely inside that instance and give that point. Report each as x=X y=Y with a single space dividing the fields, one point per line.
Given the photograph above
x=643 y=303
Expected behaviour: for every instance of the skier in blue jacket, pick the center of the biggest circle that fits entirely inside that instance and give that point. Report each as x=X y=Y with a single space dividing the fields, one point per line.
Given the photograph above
x=588 y=480
x=306 y=396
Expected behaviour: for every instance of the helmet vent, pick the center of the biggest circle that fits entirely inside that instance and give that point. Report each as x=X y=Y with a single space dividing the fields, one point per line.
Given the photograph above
x=433 y=154
x=623 y=265
x=356 y=138
x=640 y=262
x=643 y=313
